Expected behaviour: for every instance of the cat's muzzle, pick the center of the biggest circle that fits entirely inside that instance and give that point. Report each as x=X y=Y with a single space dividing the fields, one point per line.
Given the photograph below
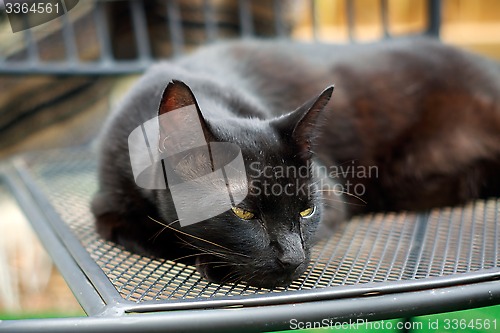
x=269 y=276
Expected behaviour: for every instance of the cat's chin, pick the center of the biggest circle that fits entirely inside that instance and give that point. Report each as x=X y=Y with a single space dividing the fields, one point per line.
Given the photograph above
x=213 y=270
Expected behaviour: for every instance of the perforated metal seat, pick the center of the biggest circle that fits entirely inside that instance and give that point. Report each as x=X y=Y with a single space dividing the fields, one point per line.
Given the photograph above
x=378 y=258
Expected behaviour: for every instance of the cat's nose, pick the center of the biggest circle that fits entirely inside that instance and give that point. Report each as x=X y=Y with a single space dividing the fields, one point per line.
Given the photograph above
x=290 y=251
x=290 y=263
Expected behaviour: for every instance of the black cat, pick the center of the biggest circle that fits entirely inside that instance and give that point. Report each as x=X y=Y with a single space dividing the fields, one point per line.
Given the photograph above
x=413 y=124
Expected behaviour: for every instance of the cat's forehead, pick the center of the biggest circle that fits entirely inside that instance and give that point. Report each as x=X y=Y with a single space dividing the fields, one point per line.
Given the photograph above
x=250 y=132
x=255 y=137
x=282 y=196
x=263 y=148
x=278 y=180
x=269 y=160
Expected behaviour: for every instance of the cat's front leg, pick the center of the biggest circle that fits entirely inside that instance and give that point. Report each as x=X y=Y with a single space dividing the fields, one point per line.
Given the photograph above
x=136 y=230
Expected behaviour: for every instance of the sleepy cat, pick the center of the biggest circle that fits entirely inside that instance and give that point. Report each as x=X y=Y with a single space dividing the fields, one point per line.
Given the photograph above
x=412 y=124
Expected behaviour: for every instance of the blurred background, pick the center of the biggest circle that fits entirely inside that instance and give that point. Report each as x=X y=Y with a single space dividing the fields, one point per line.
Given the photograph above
x=59 y=80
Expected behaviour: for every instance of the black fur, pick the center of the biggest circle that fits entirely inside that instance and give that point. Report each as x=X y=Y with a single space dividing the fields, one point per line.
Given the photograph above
x=426 y=116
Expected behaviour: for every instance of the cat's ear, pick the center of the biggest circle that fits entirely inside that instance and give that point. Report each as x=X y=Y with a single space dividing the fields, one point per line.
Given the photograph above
x=178 y=97
x=175 y=96
x=301 y=125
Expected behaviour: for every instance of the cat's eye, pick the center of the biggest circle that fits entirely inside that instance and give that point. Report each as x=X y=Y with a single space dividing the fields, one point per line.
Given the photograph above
x=242 y=214
x=307 y=212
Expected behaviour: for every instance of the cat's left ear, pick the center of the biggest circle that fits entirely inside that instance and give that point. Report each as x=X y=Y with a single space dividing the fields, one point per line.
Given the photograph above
x=301 y=125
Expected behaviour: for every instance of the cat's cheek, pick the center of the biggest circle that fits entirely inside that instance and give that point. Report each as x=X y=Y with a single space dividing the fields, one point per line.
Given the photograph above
x=310 y=231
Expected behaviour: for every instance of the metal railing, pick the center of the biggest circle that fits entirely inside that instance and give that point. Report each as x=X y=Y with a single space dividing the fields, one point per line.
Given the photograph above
x=27 y=60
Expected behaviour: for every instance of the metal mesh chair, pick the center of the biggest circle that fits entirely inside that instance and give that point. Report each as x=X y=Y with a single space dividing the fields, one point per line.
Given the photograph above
x=374 y=267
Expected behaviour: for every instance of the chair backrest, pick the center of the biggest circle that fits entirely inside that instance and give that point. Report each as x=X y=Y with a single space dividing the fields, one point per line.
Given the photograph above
x=124 y=36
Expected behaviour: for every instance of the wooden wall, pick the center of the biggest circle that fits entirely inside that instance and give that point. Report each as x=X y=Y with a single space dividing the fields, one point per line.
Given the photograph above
x=473 y=24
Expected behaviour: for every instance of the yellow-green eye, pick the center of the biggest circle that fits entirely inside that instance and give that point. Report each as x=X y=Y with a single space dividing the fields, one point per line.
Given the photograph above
x=242 y=214
x=307 y=212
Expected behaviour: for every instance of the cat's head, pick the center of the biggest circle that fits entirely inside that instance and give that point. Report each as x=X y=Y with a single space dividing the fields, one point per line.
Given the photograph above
x=264 y=239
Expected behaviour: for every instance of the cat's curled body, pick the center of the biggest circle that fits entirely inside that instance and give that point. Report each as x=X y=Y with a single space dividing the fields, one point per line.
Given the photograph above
x=426 y=116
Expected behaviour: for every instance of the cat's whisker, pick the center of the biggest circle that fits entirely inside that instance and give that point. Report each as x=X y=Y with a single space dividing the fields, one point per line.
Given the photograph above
x=238 y=276
x=228 y=264
x=333 y=207
x=160 y=231
x=206 y=251
x=214 y=253
x=190 y=255
x=339 y=165
x=348 y=161
x=231 y=277
x=211 y=263
x=211 y=251
x=156 y=234
x=225 y=277
x=187 y=234
x=344 y=192
x=345 y=202
x=251 y=276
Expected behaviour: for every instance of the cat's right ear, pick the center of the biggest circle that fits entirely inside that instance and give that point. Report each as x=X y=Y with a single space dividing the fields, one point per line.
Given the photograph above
x=176 y=95
x=300 y=126
x=188 y=117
